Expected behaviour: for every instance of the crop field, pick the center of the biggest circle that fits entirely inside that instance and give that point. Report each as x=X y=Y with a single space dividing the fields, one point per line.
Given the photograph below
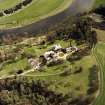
x=99 y=53
x=35 y=11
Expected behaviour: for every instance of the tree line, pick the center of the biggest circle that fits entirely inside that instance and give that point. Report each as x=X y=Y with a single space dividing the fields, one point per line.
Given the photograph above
x=15 y=8
x=20 y=91
x=78 y=29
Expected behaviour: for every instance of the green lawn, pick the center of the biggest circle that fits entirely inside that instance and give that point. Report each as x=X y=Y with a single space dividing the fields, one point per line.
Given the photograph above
x=37 y=10
x=12 y=68
x=5 y=4
x=99 y=53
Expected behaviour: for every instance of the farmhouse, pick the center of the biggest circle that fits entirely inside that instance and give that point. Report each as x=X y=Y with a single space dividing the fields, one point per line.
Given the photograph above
x=71 y=49
x=53 y=55
x=50 y=55
x=35 y=63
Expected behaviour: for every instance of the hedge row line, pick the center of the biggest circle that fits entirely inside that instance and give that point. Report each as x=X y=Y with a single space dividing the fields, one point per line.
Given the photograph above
x=15 y=8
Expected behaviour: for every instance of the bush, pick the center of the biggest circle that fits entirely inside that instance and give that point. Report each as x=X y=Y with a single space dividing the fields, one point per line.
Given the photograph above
x=54 y=63
x=78 y=70
x=16 y=8
x=1 y=14
x=19 y=71
x=8 y=11
x=75 y=56
x=93 y=80
x=26 y=2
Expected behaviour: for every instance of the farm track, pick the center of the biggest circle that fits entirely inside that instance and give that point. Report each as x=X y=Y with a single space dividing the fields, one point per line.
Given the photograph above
x=45 y=24
x=25 y=74
x=100 y=98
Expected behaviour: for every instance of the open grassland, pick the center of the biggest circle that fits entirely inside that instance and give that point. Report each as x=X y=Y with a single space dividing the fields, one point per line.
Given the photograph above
x=99 y=3
x=5 y=4
x=36 y=11
x=100 y=35
x=12 y=68
x=99 y=53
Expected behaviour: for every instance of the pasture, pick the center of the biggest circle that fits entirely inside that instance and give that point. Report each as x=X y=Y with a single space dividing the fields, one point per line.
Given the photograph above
x=5 y=4
x=37 y=10
x=99 y=53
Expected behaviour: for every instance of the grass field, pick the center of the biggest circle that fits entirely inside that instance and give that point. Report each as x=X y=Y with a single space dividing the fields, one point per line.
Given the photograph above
x=5 y=4
x=12 y=68
x=100 y=35
x=37 y=10
x=99 y=53
x=99 y=2
x=67 y=84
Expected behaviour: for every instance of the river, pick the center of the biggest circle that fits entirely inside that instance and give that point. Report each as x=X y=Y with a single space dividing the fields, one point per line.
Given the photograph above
x=78 y=6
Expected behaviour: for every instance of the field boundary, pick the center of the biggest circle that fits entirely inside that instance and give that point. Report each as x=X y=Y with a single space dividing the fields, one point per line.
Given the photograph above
x=100 y=78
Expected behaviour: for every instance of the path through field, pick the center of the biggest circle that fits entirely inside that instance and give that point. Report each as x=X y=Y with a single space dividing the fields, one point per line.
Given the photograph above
x=25 y=74
x=99 y=53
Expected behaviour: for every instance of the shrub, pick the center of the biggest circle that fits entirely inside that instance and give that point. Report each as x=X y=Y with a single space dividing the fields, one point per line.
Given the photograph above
x=93 y=80
x=78 y=70
x=1 y=14
x=75 y=56
x=54 y=63
x=26 y=2
x=19 y=71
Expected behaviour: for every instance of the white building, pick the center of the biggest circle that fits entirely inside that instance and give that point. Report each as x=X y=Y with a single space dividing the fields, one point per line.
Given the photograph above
x=50 y=55
x=71 y=49
x=57 y=47
x=35 y=63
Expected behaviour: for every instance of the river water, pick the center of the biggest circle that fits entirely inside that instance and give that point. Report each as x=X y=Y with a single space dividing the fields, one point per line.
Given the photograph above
x=78 y=6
